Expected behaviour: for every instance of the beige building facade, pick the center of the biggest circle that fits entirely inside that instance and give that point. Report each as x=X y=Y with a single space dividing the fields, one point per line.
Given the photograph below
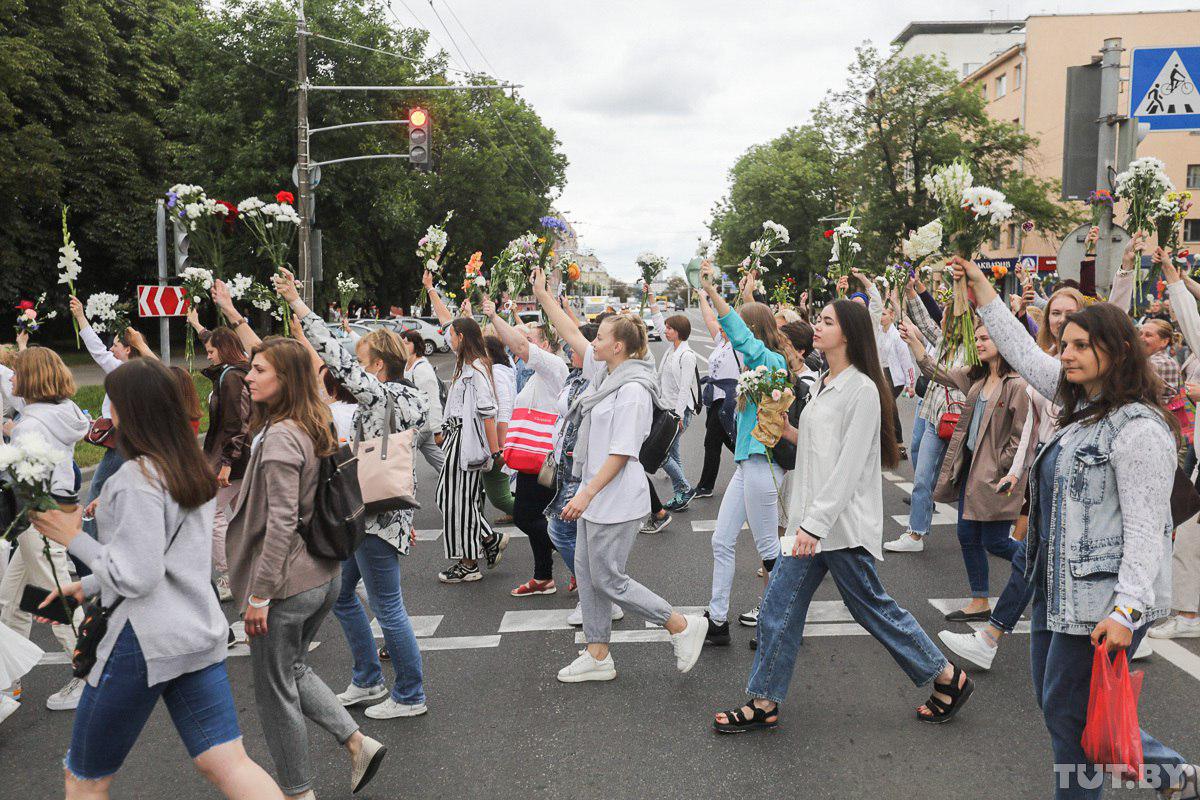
x=1026 y=85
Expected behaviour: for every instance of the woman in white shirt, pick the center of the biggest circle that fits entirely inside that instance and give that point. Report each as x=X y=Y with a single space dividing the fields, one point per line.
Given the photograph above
x=836 y=513
x=421 y=373
x=460 y=488
x=615 y=417
x=723 y=371
x=540 y=396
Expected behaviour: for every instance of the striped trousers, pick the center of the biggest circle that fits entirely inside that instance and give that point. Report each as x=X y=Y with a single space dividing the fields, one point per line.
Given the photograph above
x=460 y=498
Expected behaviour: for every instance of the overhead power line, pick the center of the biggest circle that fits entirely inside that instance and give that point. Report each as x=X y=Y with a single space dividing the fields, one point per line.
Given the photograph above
x=470 y=38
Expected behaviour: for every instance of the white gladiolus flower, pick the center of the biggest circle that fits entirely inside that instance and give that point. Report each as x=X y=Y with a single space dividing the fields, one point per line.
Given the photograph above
x=924 y=241
x=69 y=265
x=947 y=183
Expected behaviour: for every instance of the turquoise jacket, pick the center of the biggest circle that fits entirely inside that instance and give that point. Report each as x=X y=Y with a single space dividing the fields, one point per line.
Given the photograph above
x=752 y=353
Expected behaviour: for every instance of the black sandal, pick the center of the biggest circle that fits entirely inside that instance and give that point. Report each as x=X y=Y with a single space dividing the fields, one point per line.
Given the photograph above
x=739 y=722
x=958 y=695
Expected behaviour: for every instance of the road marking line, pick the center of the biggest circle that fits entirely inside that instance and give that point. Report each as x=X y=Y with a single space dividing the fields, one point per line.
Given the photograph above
x=550 y=619
x=1178 y=655
x=710 y=525
x=631 y=637
x=893 y=477
x=458 y=643
x=943 y=514
x=422 y=626
x=836 y=629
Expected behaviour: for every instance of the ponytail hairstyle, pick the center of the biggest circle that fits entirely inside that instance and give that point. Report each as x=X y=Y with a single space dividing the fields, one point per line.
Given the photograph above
x=859 y=330
x=630 y=330
x=388 y=347
x=761 y=321
x=471 y=347
x=298 y=398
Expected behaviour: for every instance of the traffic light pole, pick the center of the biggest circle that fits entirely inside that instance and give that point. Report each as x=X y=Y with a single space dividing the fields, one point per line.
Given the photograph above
x=303 y=170
x=1110 y=90
x=164 y=323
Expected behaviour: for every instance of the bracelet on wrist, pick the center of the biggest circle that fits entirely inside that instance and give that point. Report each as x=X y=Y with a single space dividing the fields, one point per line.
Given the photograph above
x=258 y=603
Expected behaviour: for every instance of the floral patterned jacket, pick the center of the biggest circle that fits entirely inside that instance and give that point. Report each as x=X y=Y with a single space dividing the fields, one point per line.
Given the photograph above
x=409 y=408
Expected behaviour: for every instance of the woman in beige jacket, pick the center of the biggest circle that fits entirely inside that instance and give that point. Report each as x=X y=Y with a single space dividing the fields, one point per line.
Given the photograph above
x=979 y=456
x=284 y=591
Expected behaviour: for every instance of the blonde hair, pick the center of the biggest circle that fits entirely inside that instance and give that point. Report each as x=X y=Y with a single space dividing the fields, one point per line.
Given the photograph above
x=390 y=348
x=40 y=376
x=629 y=330
x=787 y=314
x=1045 y=338
x=1164 y=329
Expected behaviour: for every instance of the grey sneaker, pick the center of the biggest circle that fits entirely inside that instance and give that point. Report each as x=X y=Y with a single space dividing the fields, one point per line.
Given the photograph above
x=66 y=698
x=655 y=524
x=366 y=763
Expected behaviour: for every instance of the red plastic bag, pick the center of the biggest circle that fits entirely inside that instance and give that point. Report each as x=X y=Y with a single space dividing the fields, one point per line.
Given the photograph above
x=1112 y=737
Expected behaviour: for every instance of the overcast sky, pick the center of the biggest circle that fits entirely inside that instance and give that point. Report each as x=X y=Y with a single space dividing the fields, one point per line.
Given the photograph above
x=654 y=100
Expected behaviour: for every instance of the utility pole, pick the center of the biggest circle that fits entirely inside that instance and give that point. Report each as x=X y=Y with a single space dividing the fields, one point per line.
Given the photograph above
x=1109 y=118
x=303 y=171
x=164 y=324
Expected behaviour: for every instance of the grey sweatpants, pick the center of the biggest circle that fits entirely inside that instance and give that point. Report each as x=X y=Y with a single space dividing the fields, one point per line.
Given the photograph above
x=1185 y=567
x=600 y=555
x=287 y=690
x=429 y=448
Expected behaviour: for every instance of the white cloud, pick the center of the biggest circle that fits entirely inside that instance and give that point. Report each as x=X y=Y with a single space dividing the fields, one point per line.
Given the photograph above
x=654 y=100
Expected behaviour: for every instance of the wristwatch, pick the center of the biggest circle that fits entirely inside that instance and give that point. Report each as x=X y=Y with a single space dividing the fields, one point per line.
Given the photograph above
x=1131 y=614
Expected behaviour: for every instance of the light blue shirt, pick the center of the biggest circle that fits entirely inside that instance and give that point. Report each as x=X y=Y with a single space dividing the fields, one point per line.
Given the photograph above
x=752 y=353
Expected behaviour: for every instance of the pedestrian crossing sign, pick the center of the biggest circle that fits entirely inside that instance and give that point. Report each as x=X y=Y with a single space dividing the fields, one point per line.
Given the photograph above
x=1163 y=89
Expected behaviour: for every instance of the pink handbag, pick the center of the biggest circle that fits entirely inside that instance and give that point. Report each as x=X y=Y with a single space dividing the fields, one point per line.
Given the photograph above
x=385 y=468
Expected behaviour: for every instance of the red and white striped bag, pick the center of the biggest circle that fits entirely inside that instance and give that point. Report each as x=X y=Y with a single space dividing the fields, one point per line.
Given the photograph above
x=529 y=440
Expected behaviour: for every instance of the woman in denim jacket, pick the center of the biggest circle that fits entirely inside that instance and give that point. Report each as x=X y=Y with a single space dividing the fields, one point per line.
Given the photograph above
x=1099 y=523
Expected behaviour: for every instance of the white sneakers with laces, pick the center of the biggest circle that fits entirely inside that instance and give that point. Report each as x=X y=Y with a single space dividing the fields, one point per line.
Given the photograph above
x=1177 y=627
x=970 y=646
x=390 y=709
x=576 y=617
x=586 y=668
x=358 y=694
x=66 y=698
x=905 y=543
x=689 y=642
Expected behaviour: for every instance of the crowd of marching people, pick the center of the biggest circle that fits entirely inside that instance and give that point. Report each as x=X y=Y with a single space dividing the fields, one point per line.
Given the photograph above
x=1063 y=448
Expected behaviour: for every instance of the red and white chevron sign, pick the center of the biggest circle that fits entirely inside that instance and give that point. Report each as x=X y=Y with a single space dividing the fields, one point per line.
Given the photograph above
x=162 y=301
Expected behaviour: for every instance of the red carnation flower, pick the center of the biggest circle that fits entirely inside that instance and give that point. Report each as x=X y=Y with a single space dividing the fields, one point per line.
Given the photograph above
x=231 y=211
x=829 y=234
x=285 y=197
x=1183 y=253
x=24 y=305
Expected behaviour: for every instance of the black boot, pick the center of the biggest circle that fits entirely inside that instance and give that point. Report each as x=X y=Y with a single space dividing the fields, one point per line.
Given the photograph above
x=718 y=635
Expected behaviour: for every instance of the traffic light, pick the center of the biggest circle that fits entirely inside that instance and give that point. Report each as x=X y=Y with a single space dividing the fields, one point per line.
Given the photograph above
x=418 y=138
x=180 y=233
x=1081 y=144
x=1130 y=134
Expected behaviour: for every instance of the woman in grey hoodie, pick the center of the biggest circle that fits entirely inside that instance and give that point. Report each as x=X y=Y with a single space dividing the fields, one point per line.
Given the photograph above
x=44 y=384
x=150 y=567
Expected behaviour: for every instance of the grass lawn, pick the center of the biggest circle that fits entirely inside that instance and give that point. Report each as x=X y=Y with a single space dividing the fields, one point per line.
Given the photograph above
x=89 y=399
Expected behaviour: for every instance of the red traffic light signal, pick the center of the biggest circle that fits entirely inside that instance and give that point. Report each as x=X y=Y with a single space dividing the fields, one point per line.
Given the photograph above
x=417 y=117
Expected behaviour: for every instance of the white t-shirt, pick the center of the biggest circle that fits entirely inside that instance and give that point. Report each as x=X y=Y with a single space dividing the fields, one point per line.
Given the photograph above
x=549 y=375
x=425 y=377
x=506 y=392
x=343 y=419
x=620 y=424
x=722 y=365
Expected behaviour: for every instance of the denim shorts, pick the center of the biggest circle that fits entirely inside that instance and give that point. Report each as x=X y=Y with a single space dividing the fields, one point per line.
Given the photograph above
x=110 y=717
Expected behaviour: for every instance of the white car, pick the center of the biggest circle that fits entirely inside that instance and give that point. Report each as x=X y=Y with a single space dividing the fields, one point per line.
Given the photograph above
x=435 y=341
x=344 y=339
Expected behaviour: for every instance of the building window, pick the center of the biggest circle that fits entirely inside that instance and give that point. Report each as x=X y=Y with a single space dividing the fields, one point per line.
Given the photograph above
x=983 y=90
x=1017 y=76
x=1001 y=86
x=1193 y=176
x=1012 y=236
x=1191 y=230
x=995 y=244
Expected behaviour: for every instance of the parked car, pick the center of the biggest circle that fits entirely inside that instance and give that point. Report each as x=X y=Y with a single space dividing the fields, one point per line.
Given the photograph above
x=435 y=341
x=344 y=339
x=530 y=316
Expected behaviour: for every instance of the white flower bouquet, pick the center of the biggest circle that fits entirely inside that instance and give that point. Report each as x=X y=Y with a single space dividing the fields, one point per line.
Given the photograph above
x=651 y=265
x=771 y=391
x=970 y=214
x=844 y=248
x=347 y=288
x=1141 y=186
x=430 y=248
x=197 y=282
x=273 y=226
x=69 y=266
x=107 y=313
x=210 y=223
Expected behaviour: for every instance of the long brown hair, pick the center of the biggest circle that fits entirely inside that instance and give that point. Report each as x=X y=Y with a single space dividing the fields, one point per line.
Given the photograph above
x=761 y=321
x=228 y=345
x=152 y=423
x=187 y=393
x=859 y=330
x=1045 y=338
x=298 y=399
x=470 y=345
x=1129 y=378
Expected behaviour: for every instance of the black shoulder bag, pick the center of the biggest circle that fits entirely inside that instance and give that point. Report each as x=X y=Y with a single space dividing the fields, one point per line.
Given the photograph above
x=95 y=622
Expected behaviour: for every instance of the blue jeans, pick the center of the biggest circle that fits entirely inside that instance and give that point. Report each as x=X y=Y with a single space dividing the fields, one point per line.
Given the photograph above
x=781 y=620
x=673 y=466
x=1016 y=595
x=977 y=539
x=929 y=451
x=562 y=536
x=918 y=431
x=1062 y=676
x=378 y=565
x=110 y=717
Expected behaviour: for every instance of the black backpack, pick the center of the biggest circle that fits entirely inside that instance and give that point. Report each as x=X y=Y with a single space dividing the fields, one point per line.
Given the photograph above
x=664 y=427
x=784 y=452
x=338 y=524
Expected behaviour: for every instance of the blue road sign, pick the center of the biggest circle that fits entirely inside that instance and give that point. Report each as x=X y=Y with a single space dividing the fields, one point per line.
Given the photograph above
x=1163 y=90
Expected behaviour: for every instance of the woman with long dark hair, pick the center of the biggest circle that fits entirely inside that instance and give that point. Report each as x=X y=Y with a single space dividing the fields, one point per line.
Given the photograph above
x=1100 y=522
x=469 y=433
x=976 y=470
x=496 y=487
x=752 y=495
x=151 y=567
x=225 y=443
x=284 y=591
x=844 y=439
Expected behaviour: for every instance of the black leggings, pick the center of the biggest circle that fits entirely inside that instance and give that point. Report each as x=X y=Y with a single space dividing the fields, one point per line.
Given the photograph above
x=529 y=506
x=715 y=438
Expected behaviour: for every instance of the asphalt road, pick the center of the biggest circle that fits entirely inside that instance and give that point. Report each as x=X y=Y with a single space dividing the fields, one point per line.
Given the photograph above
x=501 y=726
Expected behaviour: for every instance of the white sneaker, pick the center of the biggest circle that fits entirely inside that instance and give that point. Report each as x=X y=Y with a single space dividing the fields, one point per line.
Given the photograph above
x=905 y=543
x=1145 y=650
x=357 y=694
x=689 y=642
x=223 y=590
x=576 y=617
x=586 y=668
x=750 y=618
x=66 y=698
x=970 y=646
x=366 y=763
x=7 y=707
x=390 y=709
x=1177 y=627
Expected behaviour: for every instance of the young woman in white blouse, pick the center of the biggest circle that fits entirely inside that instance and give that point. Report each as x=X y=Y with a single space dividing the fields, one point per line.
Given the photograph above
x=836 y=515
x=466 y=531
x=615 y=416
